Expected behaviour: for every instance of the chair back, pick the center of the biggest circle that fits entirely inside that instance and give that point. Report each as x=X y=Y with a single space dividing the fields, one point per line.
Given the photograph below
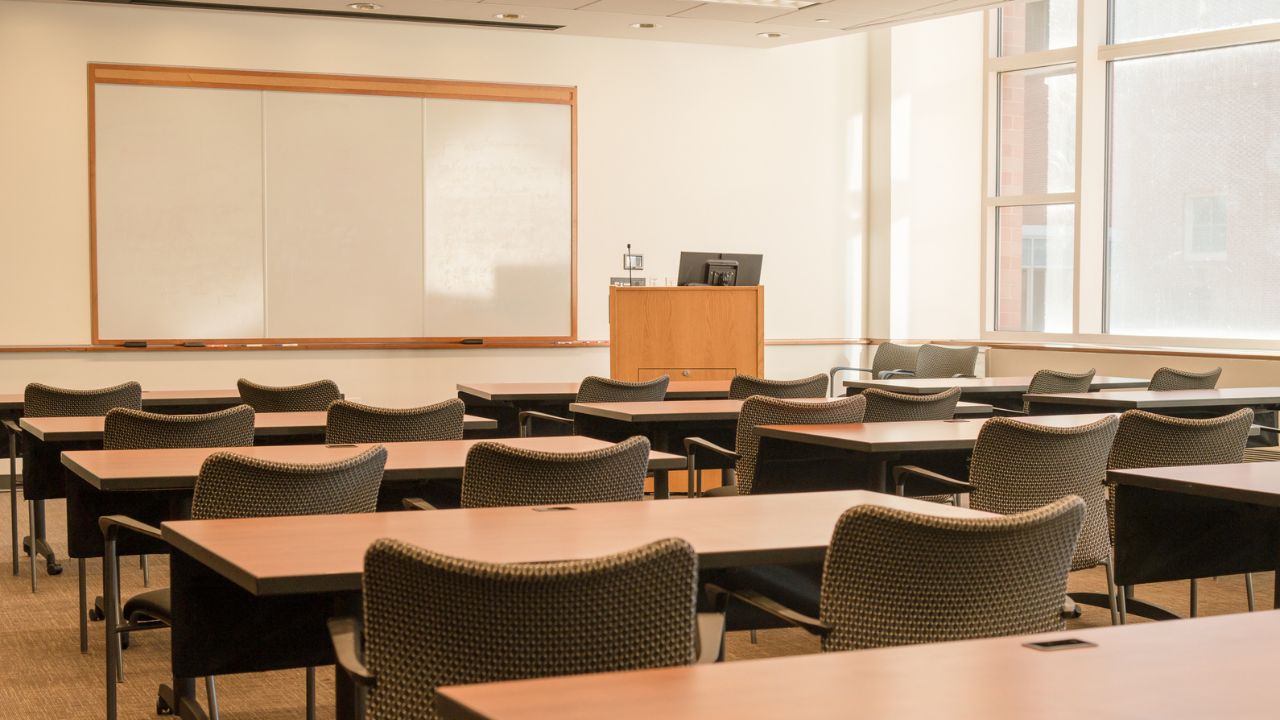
x=1057 y=381
x=128 y=429
x=892 y=356
x=893 y=577
x=431 y=620
x=936 y=361
x=499 y=475
x=350 y=422
x=596 y=389
x=237 y=486
x=1018 y=466
x=761 y=410
x=886 y=406
x=1167 y=378
x=1146 y=439
x=307 y=397
x=744 y=386
x=40 y=400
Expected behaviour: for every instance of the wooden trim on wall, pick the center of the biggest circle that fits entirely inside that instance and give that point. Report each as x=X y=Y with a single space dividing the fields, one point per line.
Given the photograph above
x=102 y=73
x=256 y=345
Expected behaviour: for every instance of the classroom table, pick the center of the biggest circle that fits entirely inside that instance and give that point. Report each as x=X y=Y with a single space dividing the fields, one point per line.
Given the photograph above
x=504 y=401
x=45 y=438
x=164 y=401
x=1196 y=521
x=1003 y=391
x=860 y=454
x=252 y=595
x=1263 y=400
x=155 y=485
x=1219 y=667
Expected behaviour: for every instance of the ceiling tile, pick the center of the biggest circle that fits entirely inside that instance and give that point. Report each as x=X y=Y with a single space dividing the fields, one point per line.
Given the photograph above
x=732 y=12
x=641 y=7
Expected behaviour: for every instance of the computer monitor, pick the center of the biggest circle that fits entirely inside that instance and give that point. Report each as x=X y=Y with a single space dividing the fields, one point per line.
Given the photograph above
x=701 y=268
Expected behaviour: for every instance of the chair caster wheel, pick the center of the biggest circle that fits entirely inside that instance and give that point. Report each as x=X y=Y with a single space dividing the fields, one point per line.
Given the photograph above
x=96 y=615
x=53 y=568
x=1076 y=612
x=162 y=707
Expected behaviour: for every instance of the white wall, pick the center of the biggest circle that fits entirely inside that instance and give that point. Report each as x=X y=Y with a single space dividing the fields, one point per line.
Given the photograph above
x=680 y=147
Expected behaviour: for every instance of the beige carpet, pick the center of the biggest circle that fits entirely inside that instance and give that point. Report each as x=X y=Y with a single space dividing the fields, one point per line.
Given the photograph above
x=43 y=674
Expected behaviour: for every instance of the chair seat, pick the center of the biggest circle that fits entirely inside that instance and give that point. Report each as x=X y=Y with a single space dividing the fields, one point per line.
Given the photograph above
x=722 y=491
x=152 y=604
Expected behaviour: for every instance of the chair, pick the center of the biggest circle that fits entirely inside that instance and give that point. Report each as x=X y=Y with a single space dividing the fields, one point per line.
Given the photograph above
x=45 y=469
x=431 y=621
x=936 y=361
x=310 y=396
x=234 y=486
x=890 y=359
x=1017 y=466
x=761 y=410
x=744 y=386
x=128 y=429
x=1146 y=440
x=498 y=475
x=1054 y=381
x=596 y=390
x=350 y=422
x=1167 y=378
x=893 y=577
x=886 y=406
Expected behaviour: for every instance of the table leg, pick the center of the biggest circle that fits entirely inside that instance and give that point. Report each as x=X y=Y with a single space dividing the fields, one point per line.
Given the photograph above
x=661 y=485
x=13 y=498
x=878 y=473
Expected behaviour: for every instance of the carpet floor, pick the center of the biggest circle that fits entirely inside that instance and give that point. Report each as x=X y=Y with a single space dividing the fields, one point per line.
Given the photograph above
x=44 y=675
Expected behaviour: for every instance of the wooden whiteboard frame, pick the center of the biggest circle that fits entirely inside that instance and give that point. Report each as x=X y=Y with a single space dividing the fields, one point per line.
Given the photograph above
x=109 y=74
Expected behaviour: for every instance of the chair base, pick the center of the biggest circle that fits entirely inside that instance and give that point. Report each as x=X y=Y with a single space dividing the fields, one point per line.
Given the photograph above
x=1133 y=606
x=189 y=710
x=42 y=549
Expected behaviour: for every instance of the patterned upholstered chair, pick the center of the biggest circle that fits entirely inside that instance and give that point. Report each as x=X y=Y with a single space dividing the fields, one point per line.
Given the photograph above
x=308 y=397
x=937 y=361
x=42 y=473
x=498 y=475
x=350 y=422
x=1167 y=378
x=886 y=583
x=598 y=389
x=1146 y=439
x=431 y=621
x=890 y=359
x=760 y=410
x=885 y=406
x=744 y=386
x=1017 y=466
x=1054 y=381
x=235 y=486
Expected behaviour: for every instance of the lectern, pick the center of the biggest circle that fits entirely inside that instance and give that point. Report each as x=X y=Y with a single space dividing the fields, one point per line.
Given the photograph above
x=689 y=333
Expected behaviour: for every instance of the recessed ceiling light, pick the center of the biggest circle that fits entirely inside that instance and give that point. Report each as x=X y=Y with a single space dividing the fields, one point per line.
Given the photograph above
x=508 y=16
x=365 y=6
x=645 y=26
x=771 y=35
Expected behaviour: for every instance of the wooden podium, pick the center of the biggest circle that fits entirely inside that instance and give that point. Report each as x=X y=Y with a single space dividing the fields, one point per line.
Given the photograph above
x=689 y=333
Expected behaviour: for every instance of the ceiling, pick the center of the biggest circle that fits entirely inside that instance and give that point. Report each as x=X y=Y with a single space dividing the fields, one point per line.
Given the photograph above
x=725 y=22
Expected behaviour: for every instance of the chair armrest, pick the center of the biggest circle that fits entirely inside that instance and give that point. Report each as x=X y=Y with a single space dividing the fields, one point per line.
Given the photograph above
x=710 y=637
x=1006 y=411
x=345 y=633
x=773 y=607
x=963 y=375
x=693 y=444
x=889 y=374
x=414 y=503
x=525 y=420
x=13 y=427
x=902 y=472
x=112 y=524
x=1267 y=428
x=831 y=375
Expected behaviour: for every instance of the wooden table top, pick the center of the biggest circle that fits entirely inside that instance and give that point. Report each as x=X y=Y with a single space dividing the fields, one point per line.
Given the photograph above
x=1257 y=483
x=1215 y=667
x=125 y=470
x=152 y=398
x=325 y=553
x=960 y=434
x=1164 y=398
x=568 y=391
x=89 y=428
x=1000 y=384
x=703 y=410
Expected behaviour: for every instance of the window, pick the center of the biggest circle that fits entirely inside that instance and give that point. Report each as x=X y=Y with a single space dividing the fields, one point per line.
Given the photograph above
x=1036 y=25
x=1194 y=201
x=1035 y=245
x=1146 y=19
x=1038 y=131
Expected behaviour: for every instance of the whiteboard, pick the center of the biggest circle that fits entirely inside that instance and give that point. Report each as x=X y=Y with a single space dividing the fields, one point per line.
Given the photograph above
x=179 y=212
x=269 y=214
